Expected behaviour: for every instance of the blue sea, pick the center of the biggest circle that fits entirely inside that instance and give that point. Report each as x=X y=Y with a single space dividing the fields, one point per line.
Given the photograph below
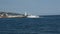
x=49 y=24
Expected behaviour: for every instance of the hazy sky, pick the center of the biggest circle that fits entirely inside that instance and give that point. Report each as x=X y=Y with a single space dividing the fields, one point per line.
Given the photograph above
x=36 y=7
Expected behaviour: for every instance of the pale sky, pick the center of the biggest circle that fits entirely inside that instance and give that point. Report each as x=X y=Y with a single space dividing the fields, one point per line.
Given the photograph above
x=36 y=7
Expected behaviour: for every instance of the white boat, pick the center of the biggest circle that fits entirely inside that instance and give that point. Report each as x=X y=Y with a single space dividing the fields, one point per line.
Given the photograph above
x=31 y=16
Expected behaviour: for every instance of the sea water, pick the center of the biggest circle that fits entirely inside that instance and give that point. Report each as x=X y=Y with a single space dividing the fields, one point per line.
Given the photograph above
x=45 y=25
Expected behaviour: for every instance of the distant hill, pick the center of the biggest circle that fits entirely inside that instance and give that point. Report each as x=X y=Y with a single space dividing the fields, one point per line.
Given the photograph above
x=10 y=13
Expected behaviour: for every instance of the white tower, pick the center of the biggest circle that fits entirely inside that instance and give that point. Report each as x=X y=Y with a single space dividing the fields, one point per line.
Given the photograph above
x=25 y=14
